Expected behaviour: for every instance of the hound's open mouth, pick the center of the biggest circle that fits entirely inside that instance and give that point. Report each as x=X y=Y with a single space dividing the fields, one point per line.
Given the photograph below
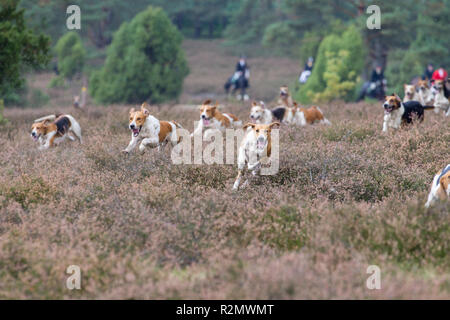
x=206 y=122
x=253 y=119
x=388 y=109
x=261 y=144
x=136 y=131
x=35 y=137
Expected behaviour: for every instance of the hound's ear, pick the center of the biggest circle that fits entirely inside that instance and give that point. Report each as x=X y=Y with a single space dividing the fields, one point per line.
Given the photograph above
x=248 y=125
x=262 y=104
x=45 y=122
x=295 y=104
x=132 y=110
x=254 y=103
x=216 y=104
x=144 y=109
x=273 y=124
x=206 y=102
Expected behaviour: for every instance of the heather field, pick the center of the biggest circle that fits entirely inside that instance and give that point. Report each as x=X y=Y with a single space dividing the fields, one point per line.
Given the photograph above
x=346 y=196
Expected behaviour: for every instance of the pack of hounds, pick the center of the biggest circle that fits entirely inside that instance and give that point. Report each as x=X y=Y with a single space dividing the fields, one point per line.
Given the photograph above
x=255 y=148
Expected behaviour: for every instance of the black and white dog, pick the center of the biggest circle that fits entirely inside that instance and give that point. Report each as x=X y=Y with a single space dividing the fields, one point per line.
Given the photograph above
x=398 y=113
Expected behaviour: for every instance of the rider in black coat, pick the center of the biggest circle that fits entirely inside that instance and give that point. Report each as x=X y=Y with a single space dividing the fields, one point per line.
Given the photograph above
x=240 y=79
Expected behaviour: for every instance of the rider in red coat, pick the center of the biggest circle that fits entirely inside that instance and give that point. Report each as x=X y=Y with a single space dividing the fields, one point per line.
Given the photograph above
x=440 y=74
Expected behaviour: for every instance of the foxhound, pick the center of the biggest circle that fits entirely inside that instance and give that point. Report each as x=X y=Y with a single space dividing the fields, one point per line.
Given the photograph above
x=150 y=131
x=54 y=129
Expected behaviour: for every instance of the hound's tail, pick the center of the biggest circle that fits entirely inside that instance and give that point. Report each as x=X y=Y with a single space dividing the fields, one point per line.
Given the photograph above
x=428 y=107
x=179 y=126
x=51 y=117
x=324 y=120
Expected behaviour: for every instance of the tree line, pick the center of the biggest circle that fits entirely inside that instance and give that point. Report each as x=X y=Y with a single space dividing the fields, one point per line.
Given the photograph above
x=413 y=33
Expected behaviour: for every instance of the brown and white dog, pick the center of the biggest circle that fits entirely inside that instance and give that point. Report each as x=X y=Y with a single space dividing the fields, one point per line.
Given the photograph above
x=398 y=113
x=150 y=131
x=440 y=188
x=285 y=110
x=255 y=148
x=54 y=129
x=440 y=99
x=259 y=114
x=212 y=119
x=304 y=116
x=424 y=93
x=410 y=93
x=285 y=99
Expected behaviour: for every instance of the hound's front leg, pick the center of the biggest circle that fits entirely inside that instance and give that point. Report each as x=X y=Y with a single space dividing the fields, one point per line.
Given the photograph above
x=162 y=145
x=152 y=142
x=385 y=125
x=255 y=169
x=48 y=142
x=241 y=160
x=238 y=180
x=431 y=200
x=132 y=144
x=198 y=130
x=41 y=143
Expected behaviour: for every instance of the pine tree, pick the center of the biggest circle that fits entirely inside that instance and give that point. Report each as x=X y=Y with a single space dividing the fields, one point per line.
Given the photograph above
x=340 y=60
x=71 y=55
x=249 y=22
x=20 y=47
x=144 y=62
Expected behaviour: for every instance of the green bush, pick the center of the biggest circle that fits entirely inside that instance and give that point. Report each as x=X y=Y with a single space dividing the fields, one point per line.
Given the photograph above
x=38 y=98
x=15 y=96
x=339 y=62
x=144 y=62
x=26 y=97
x=71 y=55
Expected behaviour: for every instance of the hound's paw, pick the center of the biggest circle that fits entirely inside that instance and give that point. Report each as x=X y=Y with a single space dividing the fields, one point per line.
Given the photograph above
x=125 y=152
